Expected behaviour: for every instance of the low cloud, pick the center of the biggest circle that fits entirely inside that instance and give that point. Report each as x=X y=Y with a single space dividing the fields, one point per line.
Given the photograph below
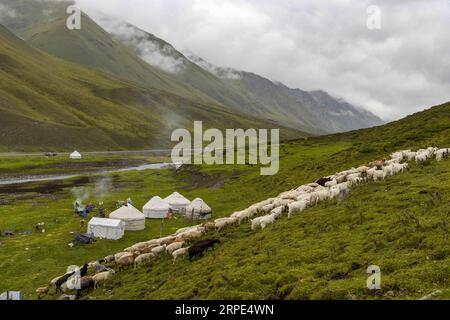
x=155 y=53
x=6 y=12
x=311 y=44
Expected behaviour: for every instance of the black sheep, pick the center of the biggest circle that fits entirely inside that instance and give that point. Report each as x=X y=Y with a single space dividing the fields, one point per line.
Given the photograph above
x=62 y=280
x=83 y=270
x=200 y=247
x=323 y=181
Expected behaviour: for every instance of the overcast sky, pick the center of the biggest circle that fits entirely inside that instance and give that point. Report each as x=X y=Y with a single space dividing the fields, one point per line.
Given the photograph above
x=313 y=44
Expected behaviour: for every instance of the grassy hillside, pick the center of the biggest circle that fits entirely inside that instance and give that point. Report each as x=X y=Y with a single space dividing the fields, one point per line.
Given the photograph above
x=47 y=103
x=400 y=224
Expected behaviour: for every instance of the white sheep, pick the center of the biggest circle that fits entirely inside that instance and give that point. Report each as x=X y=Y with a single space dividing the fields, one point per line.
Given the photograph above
x=102 y=277
x=179 y=253
x=221 y=224
x=410 y=155
x=158 y=250
x=143 y=259
x=331 y=183
x=120 y=255
x=173 y=247
x=442 y=154
x=295 y=207
x=355 y=178
x=305 y=188
x=267 y=220
x=379 y=175
x=267 y=208
x=277 y=212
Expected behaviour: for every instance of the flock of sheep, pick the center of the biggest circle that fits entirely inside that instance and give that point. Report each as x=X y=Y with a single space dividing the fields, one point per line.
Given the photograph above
x=185 y=241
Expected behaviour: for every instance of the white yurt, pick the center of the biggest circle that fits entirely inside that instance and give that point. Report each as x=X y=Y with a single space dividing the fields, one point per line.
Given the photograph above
x=198 y=209
x=156 y=208
x=177 y=202
x=75 y=155
x=134 y=219
x=111 y=229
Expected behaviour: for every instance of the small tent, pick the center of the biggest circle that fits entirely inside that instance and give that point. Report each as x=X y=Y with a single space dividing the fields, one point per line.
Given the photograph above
x=134 y=219
x=75 y=155
x=111 y=229
x=198 y=209
x=156 y=208
x=177 y=202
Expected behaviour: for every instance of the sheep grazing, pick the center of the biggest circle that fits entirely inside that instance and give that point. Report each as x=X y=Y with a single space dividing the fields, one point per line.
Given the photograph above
x=306 y=188
x=263 y=221
x=143 y=259
x=200 y=247
x=277 y=212
x=442 y=154
x=355 y=178
x=331 y=183
x=190 y=235
x=86 y=283
x=267 y=208
x=263 y=203
x=377 y=164
x=410 y=155
x=296 y=207
x=109 y=259
x=221 y=224
x=323 y=181
x=379 y=175
x=159 y=250
x=119 y=255
x=102 y=277
x=209 y=226
x=241 y=216
x=423 y=155
x=171 y=248
x=179 y=253
x=61 y=280
x=125 y=262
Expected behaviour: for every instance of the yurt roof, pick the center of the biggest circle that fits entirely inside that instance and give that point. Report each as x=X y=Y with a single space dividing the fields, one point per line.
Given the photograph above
x=127 y=212
x=199 y=205
x=177 y=199
x=75 y=154
x=156 y=203
x=105 y=222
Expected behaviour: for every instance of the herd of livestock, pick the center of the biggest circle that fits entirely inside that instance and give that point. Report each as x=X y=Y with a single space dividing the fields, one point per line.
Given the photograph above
x=185 y=242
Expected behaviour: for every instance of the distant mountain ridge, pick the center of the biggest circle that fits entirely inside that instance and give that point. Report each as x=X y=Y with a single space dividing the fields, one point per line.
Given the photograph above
x=135 y=55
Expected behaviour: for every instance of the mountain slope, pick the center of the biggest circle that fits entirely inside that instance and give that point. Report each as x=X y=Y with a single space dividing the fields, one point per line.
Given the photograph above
x=91 y=46
x=243 y=91
x=46 y=102
x=398 y=224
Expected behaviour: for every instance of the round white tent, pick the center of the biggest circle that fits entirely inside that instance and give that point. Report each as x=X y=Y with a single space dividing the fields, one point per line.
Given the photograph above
x=111 y=229
x=177 y=202
x=75 y=155
x=134 y=219
x=156 y=208
x=198 y=209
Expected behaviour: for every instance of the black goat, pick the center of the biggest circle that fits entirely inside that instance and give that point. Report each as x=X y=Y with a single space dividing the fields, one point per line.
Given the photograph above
x=62 y=280
x=200 y=247
x=323 y=181
x=83 y=270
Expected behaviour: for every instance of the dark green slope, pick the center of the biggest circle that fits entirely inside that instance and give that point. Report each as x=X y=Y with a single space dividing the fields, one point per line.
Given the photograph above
x=46 y=102
x=400 y=224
